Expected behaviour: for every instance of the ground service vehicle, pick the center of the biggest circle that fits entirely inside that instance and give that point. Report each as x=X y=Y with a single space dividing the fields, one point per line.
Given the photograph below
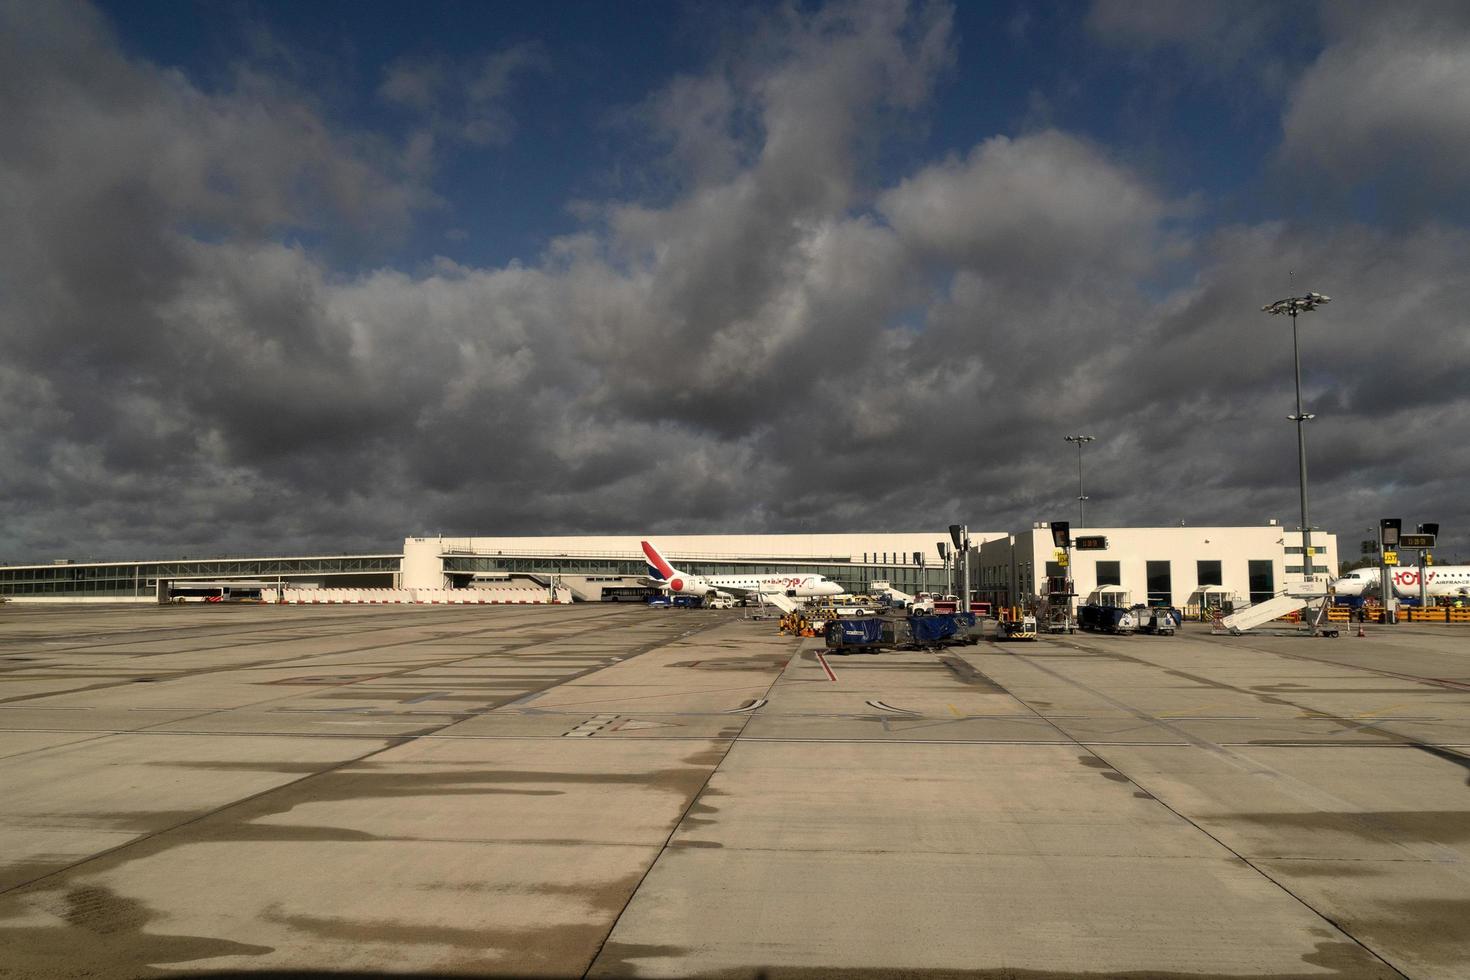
x=1105 y=619
x=1016 y=629
x=1158 y=620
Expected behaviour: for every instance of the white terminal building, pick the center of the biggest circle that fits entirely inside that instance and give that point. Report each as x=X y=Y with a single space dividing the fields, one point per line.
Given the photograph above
x=1175 y=566
x=1139 y=564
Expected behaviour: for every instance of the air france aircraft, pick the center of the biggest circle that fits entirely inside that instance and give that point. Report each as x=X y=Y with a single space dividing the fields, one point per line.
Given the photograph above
x=666 y=576
x=1440 y=580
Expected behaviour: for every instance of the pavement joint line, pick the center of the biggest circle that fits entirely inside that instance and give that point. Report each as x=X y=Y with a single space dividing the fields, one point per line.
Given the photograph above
x=1235 y=759
x=644 y=697
x=391 y=741
x=1446 y=682
x=688 y=808
x=448 y=661
x=1341 y=928
x=328 y=635
x=412 y=737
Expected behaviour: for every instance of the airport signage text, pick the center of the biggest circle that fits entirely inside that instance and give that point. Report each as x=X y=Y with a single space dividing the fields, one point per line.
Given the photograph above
x=1090 y=542
x=1416 y=540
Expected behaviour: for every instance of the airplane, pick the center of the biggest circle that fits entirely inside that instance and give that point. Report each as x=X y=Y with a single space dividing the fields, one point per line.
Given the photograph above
x=664 y=575
x=1439 y=580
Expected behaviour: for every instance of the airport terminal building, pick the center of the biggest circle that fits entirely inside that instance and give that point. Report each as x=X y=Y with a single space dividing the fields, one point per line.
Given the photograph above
x=1143 y=564
x=1176 y=566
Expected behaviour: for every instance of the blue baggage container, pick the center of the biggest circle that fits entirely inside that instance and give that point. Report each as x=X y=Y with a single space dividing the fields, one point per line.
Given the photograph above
x=843 y=634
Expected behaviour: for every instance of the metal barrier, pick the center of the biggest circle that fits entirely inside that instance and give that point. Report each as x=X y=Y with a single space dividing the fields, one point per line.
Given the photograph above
x=1432 y=614
x=1406 y=614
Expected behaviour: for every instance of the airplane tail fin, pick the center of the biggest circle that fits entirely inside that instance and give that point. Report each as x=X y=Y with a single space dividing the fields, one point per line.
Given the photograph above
x=658 y=566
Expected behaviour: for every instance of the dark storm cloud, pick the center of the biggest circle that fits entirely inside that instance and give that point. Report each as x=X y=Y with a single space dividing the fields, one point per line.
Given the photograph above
x=781 y=342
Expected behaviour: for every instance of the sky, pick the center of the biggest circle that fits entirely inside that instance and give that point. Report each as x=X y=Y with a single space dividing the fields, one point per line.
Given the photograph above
x=284 y=277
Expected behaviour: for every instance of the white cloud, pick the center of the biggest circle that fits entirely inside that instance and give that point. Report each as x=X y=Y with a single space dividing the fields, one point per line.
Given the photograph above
x=1390 y=96
x=1042 y=201
x=464 y=100
x=776 y=344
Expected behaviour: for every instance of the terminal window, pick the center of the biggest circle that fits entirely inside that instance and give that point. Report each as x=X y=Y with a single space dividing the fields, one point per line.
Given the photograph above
x=1208 y=573
x=1109 y=573
x=1160 y=583
x=1262 y=579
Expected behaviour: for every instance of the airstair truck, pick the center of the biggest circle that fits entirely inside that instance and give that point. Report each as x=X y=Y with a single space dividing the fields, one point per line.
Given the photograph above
x=891 y=596
x=1296 y=596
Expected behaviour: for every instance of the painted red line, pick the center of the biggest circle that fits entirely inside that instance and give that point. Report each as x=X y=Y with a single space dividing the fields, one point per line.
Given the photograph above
x=827 y=667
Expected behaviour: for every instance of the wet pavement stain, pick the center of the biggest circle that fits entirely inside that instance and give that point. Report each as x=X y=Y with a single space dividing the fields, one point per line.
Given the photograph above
x=616 y=959
x=762 y=662
x=1325 y=869
x=1341 y=960
x=1442 y=826
x=223 y=766
x=103 y=936
x=696 y=815
x=560 y=950
x=971 y=677
x=1447 y=755
x=1433 y=928
x=241 y=822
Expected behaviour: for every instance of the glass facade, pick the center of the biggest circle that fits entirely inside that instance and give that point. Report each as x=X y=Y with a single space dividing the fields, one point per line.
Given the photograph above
x=1160 y=583
x=1208 y=573
x=141 y=578
x=1109 y=573
x=855 y=577
x=1262 y=579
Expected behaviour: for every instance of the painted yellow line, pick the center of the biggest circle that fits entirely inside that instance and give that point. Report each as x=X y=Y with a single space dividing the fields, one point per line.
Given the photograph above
x=1370 y=714
x=955 y=711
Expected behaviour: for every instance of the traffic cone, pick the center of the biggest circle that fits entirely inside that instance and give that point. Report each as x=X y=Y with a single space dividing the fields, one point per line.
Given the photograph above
x=1360 y=630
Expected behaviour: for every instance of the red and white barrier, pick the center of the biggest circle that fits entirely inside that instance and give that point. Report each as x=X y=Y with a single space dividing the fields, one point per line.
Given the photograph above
x=511 y=594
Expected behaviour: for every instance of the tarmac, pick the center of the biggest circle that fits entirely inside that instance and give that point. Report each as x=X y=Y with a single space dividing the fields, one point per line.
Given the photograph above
x=612 y=791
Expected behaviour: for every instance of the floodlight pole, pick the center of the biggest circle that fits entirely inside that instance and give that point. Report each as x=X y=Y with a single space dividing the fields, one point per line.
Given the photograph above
x=1293 y=305
x=1081 y=497
x=1309 y=564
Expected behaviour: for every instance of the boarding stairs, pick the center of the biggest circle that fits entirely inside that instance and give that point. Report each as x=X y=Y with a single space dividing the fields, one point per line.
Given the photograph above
x=780 y=600
x=896 y=597
x=1298 y=595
